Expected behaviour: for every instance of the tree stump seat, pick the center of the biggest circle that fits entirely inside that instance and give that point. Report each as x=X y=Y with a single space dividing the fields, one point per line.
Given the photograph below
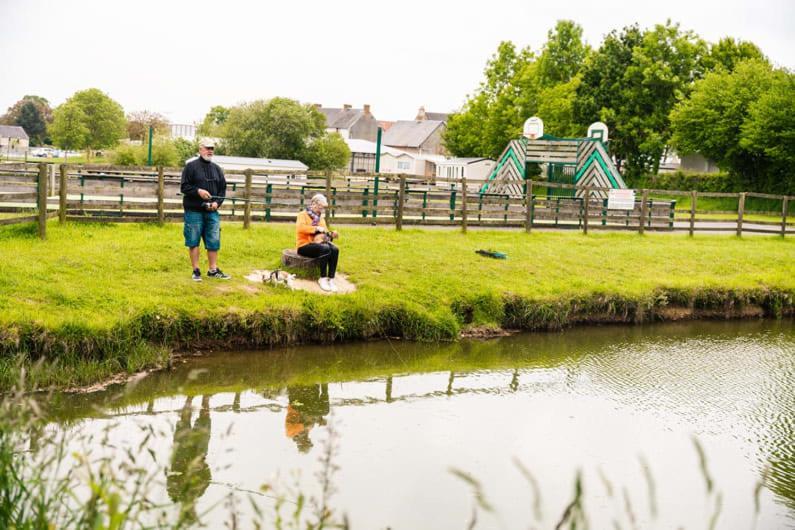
x=292 y=259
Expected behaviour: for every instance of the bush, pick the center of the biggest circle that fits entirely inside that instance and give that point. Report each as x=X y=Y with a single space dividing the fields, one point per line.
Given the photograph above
x=680 y=180
x=185 y=149
x=125 y=155
x=164 y=153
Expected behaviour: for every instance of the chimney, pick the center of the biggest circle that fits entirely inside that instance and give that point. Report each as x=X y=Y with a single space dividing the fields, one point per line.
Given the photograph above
x=366 y=109
x=346 y=106
x=421 y=114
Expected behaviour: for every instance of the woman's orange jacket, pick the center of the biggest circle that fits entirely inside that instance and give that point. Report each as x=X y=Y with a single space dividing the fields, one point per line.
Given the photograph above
x=304 y=231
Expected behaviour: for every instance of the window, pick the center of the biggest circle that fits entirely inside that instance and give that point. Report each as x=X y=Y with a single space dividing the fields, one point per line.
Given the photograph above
x=403 y=165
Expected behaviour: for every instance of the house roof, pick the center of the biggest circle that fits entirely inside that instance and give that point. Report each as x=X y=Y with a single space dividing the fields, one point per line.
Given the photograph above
x=437 y=116
x=364 y=146
x=463 y=160
x=385 y=125
x=241 y=162
x=410 y=133
x=13 y=131
x=341 y=118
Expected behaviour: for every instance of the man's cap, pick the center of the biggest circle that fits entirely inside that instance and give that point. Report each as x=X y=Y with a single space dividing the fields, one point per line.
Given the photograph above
x=206 y=142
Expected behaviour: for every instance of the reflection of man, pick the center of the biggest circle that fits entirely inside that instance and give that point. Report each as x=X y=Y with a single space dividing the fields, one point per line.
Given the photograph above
x=189 y=474
x=308 y=405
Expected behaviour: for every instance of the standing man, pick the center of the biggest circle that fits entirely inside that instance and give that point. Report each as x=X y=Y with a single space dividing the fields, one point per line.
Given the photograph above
x=203 y=190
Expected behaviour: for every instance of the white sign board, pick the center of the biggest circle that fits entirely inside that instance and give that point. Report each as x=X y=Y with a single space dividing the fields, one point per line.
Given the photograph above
x=620 y=199
x=533 y=128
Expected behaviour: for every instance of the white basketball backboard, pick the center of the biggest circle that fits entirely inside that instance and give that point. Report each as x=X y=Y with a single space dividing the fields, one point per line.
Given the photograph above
x=598 y=130
x=533 y=128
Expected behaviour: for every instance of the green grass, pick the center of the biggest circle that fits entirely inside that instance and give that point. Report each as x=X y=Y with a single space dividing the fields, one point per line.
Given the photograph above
x=100 y=295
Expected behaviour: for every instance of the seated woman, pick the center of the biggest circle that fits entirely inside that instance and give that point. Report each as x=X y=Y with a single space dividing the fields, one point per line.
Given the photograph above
x=314 y=240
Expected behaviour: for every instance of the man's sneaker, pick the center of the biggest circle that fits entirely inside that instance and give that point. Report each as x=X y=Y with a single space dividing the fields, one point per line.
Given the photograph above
x=218 y=274
x=324 y=284
x=197 y=275
x=332 y=286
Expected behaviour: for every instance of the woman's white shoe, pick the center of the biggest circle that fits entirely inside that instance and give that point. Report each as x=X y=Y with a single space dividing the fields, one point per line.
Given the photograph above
x=332 y=286
x=324 y=284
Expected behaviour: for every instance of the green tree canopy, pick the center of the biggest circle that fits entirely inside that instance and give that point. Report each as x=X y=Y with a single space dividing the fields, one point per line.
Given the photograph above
x=518 y=85
x=329 y=152
x=744 y=121
x=493 y=115
x=563 y=55
x=101 y=121
x=214 y=121
x=632 y=83
x=32 y=113
x=728 y=52
x=276 y=128
x=68 y=128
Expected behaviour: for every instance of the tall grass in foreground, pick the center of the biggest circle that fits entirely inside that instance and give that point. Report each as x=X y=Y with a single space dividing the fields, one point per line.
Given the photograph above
x=42 y=486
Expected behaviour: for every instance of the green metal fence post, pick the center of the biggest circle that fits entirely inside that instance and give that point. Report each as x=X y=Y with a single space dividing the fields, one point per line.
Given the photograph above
x=452 y=204
x=375 y=194
x=268 y=199
x=42 y=200
x=62 y=194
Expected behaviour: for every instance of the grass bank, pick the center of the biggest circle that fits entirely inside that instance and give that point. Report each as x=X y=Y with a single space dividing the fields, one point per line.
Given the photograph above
x=95 y=299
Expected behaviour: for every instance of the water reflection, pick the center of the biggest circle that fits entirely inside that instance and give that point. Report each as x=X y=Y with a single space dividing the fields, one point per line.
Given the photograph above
x=308 y=407
x=189 y=475
x=583 y=397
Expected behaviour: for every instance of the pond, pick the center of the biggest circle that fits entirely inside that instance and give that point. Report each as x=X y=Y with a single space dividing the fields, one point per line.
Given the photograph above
x=667 y=426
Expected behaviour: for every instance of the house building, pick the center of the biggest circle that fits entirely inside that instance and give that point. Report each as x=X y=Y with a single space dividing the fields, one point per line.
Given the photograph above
x=13 y=138
x=419 y=137
x=351 y=123
x=698 y=163
x=422 y=115
x=393 y=161
x=469 y=168
x=270 y=164
x=186 y=131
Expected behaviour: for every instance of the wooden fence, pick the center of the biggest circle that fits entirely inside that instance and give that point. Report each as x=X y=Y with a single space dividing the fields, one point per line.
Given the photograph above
x=31 y=192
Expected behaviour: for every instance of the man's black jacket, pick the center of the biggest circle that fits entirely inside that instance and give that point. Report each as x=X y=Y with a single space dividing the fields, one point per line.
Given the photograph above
x=205 y=175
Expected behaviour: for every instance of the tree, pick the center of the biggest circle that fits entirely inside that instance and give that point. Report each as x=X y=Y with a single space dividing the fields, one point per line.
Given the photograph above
x=32 y=113
x=556 y=108
x=742 y=120
x=563 y=54
x=632 y=83
x=495 y=113
x=214 y=121
x=727 y=53
x=328 y=152
x=277 y=128
x=138 y=124
x=68 y=129
x=99 y=124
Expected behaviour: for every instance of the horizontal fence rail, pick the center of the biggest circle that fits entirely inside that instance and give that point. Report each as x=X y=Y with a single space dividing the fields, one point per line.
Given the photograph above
x=36 y=192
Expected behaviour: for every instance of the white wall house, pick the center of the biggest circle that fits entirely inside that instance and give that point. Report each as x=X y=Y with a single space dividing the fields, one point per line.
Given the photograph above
x=471 y=168
x=13 y=138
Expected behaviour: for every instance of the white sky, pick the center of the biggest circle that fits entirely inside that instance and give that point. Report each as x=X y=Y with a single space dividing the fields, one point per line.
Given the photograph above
x=181 y=57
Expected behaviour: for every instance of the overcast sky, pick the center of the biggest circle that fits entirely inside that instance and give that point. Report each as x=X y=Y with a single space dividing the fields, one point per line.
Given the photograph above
x=181 y=57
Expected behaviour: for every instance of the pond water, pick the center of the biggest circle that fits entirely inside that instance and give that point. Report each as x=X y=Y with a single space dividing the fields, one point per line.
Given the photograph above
x=521 y=415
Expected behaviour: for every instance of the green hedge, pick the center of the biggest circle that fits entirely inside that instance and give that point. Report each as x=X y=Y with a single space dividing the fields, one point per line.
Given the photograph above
x=680 y=180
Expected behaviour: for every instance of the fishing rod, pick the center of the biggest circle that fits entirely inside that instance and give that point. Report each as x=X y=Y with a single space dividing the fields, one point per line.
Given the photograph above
x=233 y=199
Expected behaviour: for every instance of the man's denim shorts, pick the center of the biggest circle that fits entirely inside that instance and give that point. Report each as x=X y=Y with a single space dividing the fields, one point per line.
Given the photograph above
x=202 y=225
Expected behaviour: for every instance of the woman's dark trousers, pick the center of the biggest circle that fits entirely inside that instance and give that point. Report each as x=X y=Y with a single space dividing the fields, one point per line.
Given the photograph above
x=326 y=253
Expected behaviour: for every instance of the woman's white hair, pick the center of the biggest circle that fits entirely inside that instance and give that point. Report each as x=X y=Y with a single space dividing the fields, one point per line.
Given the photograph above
x=319 y=199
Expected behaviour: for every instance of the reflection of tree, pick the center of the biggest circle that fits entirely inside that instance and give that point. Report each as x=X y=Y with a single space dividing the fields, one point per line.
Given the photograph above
x=189 y=474
x=308 y=405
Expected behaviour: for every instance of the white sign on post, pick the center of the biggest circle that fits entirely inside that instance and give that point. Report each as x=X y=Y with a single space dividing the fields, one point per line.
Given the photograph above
x=620 y=199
